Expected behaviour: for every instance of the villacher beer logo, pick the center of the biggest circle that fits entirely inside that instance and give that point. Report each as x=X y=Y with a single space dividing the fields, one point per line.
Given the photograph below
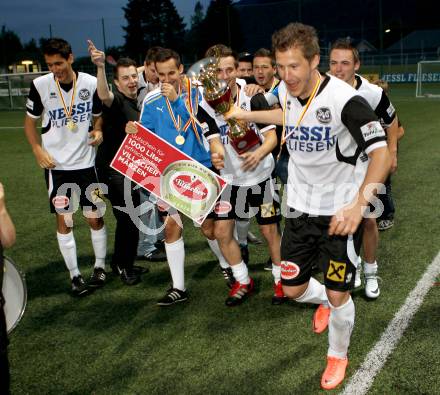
x=189 y=186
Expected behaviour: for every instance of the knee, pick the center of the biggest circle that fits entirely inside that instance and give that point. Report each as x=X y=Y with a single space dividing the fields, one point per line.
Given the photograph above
x=336 y=298
x=292 y=292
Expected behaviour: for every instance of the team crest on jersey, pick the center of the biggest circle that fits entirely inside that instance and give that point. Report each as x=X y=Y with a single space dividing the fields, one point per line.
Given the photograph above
x=323 y=115
x=84 y=94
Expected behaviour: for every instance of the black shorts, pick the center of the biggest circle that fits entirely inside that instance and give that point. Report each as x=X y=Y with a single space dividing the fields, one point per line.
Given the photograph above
x=243 y=202
x=306 y=242
x=82 y=185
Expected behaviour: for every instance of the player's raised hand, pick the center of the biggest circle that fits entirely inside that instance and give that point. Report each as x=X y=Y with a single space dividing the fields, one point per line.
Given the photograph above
x=130 y=128
x=97 y=56
x=168 y=91
x=218 y=160
x=95 y=137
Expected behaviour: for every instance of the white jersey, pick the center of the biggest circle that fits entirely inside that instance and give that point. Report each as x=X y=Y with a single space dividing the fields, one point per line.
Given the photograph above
x=69 y=149
x=233 y=170
x=327 y=164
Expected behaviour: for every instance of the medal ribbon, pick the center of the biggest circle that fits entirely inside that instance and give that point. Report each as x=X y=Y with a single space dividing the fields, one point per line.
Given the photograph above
x=312 y=96
x=190 y=108
x=177 y=123
x=72 y=99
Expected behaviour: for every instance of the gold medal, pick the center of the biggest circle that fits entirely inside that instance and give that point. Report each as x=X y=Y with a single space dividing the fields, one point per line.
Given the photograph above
x=71 y=125
x=180 y=140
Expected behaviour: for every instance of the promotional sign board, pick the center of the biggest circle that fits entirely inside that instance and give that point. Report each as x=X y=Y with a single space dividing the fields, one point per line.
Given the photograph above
x=168 y=173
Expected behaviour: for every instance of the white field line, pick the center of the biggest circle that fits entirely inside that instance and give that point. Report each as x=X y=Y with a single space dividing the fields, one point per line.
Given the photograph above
x=362 y=380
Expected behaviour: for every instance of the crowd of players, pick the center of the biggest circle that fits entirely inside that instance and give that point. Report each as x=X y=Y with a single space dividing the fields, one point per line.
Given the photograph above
x=330 y=138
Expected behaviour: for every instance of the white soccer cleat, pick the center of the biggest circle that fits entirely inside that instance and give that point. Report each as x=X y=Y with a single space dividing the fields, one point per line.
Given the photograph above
x=372 y=290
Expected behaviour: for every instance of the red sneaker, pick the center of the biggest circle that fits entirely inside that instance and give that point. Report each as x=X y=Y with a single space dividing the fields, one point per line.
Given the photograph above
x=320 y=318
x=278 y=296
x=239 y=293
x=334 y=373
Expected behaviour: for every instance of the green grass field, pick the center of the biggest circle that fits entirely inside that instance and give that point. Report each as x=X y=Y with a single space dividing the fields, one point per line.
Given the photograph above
x=117 y=341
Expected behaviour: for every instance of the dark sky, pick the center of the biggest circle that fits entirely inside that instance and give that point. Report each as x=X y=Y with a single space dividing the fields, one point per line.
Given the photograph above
x=75 y=20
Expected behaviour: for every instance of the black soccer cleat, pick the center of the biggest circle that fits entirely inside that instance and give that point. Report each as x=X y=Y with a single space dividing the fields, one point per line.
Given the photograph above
x=228 y=276
x=173 y=296
x=79 y=287
x=97 y=279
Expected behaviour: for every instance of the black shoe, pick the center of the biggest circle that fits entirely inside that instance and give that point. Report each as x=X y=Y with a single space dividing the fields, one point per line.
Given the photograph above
x=97 y=279
x=172 y=296
x=155 y=256
x=130 y=277
x=79 y=287
x=228 y=276
x=268 y=265
x=244 y=253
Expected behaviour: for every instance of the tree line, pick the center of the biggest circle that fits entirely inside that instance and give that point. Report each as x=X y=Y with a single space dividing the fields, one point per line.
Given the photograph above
x=148 y=23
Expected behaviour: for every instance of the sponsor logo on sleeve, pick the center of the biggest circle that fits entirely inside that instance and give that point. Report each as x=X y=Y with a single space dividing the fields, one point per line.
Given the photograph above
x=336 y=271
x=30 y=104
x=289 y=270
x=391 y=110
x=372 y=130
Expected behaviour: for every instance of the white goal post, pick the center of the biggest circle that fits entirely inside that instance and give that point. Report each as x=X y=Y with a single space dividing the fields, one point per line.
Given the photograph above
x=428 y=78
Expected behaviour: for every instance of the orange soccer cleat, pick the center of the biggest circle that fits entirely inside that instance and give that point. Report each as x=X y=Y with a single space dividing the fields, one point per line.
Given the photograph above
x=320 y=318
x=334 y=373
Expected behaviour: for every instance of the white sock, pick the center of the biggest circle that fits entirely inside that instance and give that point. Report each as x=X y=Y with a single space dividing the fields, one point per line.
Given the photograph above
x=276 y=273
x=67 y=245
x=240 y=272
x=242 y=227
x=176 y=260
x=315 y=293
x=370 y=267
x=99 y=242
x=213 y=245
x=340 y=326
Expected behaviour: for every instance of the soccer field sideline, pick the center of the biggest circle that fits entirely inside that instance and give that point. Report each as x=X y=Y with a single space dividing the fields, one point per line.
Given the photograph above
x=361 y=381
